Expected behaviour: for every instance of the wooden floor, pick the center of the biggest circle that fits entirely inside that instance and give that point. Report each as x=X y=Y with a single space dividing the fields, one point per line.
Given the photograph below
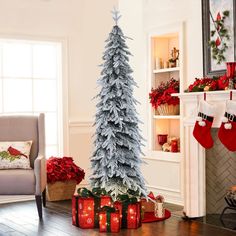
x=21 y=219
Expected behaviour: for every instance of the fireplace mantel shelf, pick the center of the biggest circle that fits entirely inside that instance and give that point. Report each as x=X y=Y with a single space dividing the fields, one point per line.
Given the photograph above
x=210 y=93
x=194 y=153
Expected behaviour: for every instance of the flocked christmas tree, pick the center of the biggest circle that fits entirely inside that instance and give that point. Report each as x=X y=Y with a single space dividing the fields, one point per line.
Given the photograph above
x=117 y=157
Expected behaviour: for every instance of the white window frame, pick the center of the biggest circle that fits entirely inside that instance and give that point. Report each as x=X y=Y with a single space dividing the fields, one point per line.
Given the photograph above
x=62 y=86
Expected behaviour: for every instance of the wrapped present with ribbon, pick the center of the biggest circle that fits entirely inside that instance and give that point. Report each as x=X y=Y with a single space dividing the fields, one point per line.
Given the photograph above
x=130 y=211
x=148 y=205
x=109 y=220
x=86 y=206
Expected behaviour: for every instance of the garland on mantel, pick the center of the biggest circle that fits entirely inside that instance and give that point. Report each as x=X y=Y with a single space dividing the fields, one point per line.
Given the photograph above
x=209 y=84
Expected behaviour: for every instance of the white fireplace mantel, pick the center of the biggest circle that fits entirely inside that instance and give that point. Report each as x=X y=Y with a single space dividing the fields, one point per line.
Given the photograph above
x=194 y=153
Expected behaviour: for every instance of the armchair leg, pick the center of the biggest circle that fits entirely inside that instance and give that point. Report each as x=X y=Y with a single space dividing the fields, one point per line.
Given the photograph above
x=44 y=197
x=38 y=199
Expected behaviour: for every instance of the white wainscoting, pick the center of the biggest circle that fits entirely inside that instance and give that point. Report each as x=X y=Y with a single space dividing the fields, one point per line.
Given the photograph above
x=164 y=177
x=81 y=144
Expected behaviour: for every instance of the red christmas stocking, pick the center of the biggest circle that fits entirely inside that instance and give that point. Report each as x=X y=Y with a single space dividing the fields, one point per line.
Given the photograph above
x=227 y=131
x=202 y=128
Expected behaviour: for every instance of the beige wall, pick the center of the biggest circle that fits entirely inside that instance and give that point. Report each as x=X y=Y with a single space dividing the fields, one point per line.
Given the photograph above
x=159 y=13
x=84 y=24
x=139 y=19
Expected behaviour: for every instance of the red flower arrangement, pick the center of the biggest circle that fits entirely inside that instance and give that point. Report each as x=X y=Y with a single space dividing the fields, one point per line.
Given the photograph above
x=209 y=84
x=162 y=94
x=63 y=169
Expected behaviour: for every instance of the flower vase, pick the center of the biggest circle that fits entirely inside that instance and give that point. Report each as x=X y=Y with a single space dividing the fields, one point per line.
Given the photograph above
x=230 y=73
x=159 y=210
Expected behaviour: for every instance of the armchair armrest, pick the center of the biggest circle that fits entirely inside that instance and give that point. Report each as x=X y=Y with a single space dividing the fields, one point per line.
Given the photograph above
x=40 y=174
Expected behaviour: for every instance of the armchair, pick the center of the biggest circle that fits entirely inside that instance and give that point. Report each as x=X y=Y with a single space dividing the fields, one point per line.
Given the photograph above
x=22 y=181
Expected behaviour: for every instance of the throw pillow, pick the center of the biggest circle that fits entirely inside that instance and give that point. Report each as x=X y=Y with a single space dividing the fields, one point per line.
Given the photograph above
x=15 y=155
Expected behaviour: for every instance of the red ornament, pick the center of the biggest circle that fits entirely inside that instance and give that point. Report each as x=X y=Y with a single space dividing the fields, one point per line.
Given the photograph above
x=218 y=17
x=109 y=221
x=218 y=42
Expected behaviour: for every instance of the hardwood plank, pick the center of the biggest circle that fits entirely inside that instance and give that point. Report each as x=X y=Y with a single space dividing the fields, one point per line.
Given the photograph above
x=22 y=219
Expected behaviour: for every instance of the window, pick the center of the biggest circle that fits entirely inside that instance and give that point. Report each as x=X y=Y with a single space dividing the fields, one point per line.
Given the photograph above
x=30 y=75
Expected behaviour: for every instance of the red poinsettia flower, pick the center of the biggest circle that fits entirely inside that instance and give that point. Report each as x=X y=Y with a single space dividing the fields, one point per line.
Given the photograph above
x=203 y=84
x=223 y=82
x=218 y=42
x=63 y=169
x=162 y=94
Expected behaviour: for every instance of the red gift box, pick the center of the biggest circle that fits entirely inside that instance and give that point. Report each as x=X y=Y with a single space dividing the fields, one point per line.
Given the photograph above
x=85 y=210
x=83 y=214
x=118 y=206
x=131 y=214
x=148 y=206
x=109 y=220
x=105 y=201
x=134 y=216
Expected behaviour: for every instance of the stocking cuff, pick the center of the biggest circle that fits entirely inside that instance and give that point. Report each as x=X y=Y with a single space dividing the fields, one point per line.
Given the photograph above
x=231 y=117
x=205 y=117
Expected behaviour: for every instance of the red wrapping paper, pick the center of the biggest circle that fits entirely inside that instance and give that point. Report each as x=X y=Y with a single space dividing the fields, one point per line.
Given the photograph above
x=114 y=222
x=83 y=212
x=105 y=201
x=134 y=216
x=118 y=206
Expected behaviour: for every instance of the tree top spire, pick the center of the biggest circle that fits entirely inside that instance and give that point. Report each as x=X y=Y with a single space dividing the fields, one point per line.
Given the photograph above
x=116 y=15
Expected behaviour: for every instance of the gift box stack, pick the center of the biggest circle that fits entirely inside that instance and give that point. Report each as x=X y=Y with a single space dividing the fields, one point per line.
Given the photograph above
x=93 y=209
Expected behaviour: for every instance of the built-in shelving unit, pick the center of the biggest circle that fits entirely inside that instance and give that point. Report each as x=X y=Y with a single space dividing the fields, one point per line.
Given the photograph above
x=164 y=170
x=165 y=70
x=166 y=117
x=161 y=47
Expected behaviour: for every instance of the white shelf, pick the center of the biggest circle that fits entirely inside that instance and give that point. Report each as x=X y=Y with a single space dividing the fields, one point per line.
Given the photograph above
x=163 y=156
x=174 y=117
x=166 y=70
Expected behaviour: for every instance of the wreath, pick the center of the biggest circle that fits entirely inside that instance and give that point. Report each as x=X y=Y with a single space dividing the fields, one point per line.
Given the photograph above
x=219 y=46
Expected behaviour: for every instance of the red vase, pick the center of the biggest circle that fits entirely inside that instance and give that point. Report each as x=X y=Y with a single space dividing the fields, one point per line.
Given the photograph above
x=162 y=138
x=230 y=73
x=174 y=146
x=230 y=69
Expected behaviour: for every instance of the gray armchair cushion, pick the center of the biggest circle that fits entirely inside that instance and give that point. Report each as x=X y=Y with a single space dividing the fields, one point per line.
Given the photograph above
x=24 y=128
x=17 y=182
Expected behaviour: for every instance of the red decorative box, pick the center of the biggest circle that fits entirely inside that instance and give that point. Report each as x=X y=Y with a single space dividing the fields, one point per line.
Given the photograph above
x=131 y=214
x=118 y=206
x=134 y=216
x=105 y=201
x=85 y=210
x=109 y=221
